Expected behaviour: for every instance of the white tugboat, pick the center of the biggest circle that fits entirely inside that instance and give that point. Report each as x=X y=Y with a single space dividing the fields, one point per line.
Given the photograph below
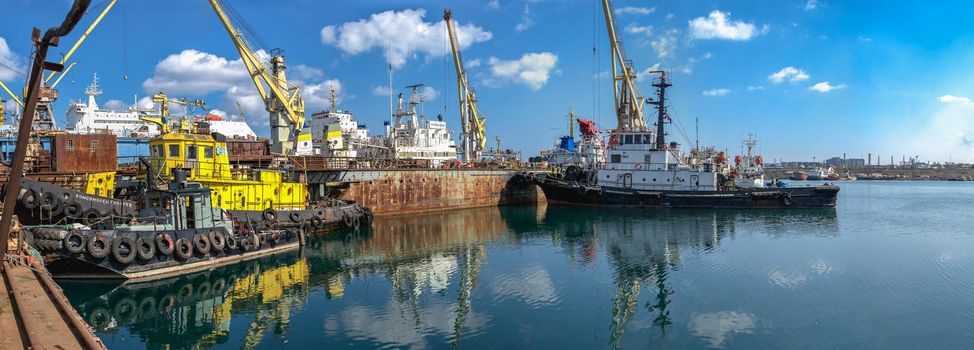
x=749 y=169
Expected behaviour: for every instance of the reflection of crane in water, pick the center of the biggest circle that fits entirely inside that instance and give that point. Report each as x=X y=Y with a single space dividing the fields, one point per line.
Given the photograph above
x=472 y=259
x=271 y=286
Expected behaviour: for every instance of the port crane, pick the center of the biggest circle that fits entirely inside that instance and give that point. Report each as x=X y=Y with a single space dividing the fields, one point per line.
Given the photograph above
x=48 y=93
x=282 y=99
x=473 y=121
x=628 y=101
x=163 y=100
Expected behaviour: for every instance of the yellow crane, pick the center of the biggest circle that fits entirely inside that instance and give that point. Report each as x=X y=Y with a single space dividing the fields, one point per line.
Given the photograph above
x=474 y=131
x=282 y=99
x=628 y=101
x=164 y=102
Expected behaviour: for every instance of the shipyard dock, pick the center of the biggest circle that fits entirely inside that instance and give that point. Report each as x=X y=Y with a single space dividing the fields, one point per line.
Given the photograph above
x=35 y=314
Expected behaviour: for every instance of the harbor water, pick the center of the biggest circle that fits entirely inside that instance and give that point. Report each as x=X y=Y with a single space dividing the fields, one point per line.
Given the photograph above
x=890 y=267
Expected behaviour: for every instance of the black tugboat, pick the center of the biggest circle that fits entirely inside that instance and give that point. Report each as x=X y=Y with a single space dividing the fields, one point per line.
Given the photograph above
x=177 y=230
x=643 y=170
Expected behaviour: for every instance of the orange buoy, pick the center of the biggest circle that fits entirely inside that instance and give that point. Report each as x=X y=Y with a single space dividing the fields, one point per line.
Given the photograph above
x=738 y=160
x=758 y=160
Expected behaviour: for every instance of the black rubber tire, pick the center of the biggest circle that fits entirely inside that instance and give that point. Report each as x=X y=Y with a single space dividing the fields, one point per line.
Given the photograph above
x=232 y=243
x=99 y=246
x=269 y=214
x=164 y=244
x=185 y=292
x=246 y=245
x=347 y=219
x=356 y=223
x=100 y=318
x=125 y=311
x=274 y=237
x=201 y=243
x=204 y=289
x=72 y=210
x=147 y=308
x=146 y=249
x=317 y=222
x=183 y=249
x=217 y=240
x=124 y=250
x=320 y=213
x=46 y=245
x=74 y=242
x=54 y=201
x=90 y=216
x=294 y=216
x=31 y=199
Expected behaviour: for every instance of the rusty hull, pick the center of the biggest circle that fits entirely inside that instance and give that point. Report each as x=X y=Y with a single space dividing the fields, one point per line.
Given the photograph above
x=407 y=191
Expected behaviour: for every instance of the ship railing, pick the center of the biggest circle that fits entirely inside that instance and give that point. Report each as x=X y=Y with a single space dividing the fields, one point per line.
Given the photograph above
x=316 y=162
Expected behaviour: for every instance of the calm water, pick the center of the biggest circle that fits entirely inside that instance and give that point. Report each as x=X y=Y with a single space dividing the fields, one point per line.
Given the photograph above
x=892 y=267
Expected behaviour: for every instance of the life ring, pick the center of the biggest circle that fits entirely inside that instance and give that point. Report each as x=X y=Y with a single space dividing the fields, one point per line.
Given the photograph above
x=165 y=244
x=98 y=246
x=31 y=199
x=269 y=214
x=123 y=249
x=146 y=249
x=74 y=242
x=218 y=241
x=183 y=249
x=201 y=243
x=294 y=216
x=638 y=166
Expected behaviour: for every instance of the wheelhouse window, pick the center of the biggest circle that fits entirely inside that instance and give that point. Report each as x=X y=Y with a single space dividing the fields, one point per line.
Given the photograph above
x=190 y=151
x=207 y=152
x=628 y=140
x=174 y=150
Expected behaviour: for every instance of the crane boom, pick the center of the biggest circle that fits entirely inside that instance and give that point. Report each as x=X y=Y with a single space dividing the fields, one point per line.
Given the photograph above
x=281 y=99
x=82 y=39
x=473 y=122
x=628 y=101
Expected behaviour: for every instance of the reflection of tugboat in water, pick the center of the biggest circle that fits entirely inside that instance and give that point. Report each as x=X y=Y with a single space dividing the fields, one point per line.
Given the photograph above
x=643 y=170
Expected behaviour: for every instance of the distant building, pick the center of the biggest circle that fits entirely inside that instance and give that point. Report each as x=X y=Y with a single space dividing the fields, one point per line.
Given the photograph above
x=845 y=163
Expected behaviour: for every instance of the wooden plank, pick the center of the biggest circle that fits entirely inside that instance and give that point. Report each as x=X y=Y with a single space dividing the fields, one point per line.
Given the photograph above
x=9 y=329
x=45 y=326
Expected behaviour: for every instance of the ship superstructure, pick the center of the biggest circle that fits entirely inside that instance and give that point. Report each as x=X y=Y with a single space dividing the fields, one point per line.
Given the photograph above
x=88 y=117
x=412 y=136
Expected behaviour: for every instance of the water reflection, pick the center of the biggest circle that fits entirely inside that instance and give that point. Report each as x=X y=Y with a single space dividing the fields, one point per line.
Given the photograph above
x=426 y=281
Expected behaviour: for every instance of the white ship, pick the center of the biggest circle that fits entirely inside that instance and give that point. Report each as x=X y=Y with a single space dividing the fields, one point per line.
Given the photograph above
x=409 y=136
x=749 y=170
x=89 y=118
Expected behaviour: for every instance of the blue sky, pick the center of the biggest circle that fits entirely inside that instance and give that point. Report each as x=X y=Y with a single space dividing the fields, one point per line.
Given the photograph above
x=809 y=78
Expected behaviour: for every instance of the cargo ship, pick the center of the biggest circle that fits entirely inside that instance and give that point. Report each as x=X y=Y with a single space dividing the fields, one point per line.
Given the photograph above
x=643 y=170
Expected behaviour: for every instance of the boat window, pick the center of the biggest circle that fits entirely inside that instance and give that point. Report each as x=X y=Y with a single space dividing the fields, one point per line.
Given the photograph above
x=628 y=139
x=69 y=145
x=94 y=145
x=159 y=152
x=207 y=152
x=190 y=152
x=174 y=150
x=617 y=158
x=648 y=139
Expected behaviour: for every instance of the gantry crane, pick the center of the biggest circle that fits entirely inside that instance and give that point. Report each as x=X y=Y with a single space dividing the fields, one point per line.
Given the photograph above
x=473 y=121
x=628 y=101
x=281 y=99
x=48 y=94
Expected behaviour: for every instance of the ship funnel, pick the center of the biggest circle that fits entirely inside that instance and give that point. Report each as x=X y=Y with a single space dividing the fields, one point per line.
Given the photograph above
x=179 y=177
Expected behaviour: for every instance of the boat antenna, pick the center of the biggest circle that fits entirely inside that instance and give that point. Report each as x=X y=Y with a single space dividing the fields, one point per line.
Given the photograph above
x=392 y=112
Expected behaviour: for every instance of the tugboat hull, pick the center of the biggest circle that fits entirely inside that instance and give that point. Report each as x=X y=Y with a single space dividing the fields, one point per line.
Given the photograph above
x=562 y=192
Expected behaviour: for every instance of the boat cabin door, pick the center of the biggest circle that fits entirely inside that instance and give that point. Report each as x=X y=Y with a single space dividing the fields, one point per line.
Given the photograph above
x=627 y=180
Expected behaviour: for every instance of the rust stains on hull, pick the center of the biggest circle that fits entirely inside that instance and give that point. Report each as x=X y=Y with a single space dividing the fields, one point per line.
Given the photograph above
x=406 y=191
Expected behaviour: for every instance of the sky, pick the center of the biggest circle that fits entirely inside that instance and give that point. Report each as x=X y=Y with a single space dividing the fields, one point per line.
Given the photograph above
x=812 y=79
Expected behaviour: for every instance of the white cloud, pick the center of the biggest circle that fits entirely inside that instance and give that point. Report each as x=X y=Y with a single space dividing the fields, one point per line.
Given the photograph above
x=115 y=105
x=429 y=93
x=669 y=16
x=824 y=87
x=526 y=21
x=811 y=5
x=400 y=34
x=493 y=4
x=789 y=73
x=647 y=73
x=12 y=60
x=718 y=26
x=688 y=67
x=717 y=327
x=665 y=44
x=191 y=74
x=532 y=69
x=633 y=28
x=959 y=100
x=755 y=88
x=716 y=92
x=317 y=96
x=864 y=39
x=632 y=10
x=472 y=63
x=381 y=91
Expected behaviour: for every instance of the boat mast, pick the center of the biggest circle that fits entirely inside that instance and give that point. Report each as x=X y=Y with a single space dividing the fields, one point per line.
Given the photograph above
x=660 y=103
